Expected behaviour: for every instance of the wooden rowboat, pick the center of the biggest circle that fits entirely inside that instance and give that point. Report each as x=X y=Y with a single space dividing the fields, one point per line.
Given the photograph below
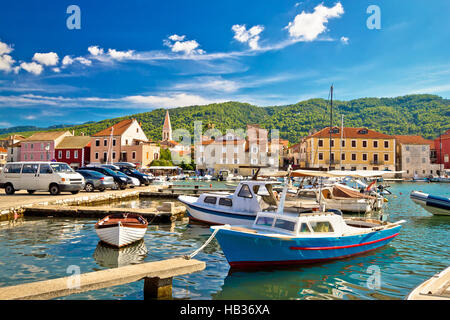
x=121 y=229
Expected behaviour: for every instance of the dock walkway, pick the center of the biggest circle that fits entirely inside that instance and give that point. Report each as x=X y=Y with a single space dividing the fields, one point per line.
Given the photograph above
x=435 y=288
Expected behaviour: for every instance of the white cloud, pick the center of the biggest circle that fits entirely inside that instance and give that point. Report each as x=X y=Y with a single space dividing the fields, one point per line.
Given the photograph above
x=119 y=55
x=6 y=62
x=67 y=60
x=57 y=70
x=344 y=40
x=95 y=50
x=29 y=117
x=5 y=48
x=84 y=61
x=176 y=37
x=250 y=36
x=46 y=59
x=169 y=101
x=32 y=67
x=308 y=26
x=188 y=47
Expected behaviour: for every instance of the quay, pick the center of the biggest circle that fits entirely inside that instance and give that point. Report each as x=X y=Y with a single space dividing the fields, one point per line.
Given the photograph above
x=83 y=204
x=435 y=288
x=157 y=281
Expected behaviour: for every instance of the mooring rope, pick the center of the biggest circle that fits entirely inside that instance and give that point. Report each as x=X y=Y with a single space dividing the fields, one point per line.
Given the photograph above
x=193 y=254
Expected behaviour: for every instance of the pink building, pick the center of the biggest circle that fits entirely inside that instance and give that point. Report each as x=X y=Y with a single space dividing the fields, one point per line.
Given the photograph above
x=41 y=145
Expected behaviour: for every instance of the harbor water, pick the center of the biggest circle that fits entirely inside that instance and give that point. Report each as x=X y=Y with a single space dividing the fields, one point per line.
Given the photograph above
x=44 y=248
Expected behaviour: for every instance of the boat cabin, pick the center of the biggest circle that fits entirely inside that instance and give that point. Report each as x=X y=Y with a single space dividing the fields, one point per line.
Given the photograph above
x=249 y=196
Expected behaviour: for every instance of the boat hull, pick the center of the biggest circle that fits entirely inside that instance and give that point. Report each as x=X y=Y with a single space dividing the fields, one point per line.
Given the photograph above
x=439 y=206
x=215 y=217
x=119 y=235
x=246 y=250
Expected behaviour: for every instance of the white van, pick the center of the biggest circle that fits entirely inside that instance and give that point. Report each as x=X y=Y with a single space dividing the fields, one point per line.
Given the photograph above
x=49 y=176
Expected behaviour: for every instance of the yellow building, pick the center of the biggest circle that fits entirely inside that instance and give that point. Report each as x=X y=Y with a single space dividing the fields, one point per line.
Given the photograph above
x=351 y=149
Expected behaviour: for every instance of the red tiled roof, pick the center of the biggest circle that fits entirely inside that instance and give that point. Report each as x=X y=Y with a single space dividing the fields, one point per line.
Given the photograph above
x=351 y=133
x=3 y=150
x=413 y=140
x=119 y=128
x=167 y=121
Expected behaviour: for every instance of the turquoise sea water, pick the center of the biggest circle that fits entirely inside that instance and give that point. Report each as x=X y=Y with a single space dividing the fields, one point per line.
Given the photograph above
x=39 y=249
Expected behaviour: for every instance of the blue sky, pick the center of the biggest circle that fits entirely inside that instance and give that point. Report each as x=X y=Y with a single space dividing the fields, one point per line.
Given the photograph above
x=133 y=56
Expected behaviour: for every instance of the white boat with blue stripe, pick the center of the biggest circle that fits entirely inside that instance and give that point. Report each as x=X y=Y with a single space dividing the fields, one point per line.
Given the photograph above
x=436 y=205
x=238 y=208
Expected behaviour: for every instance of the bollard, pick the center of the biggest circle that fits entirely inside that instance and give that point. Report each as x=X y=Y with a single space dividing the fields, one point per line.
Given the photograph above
x=157 y=288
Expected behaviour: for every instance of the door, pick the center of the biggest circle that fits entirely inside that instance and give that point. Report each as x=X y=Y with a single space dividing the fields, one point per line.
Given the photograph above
x=45 y=176
x=28 y=179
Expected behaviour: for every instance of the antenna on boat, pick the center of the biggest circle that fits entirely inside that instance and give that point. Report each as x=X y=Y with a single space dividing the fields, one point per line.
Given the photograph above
x=284 y=192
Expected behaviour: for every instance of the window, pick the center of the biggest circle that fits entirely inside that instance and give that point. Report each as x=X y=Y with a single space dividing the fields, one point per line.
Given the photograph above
x=75 y=154
x=407 y=148
x=225 y=202
x=386 y=144
x=423 y=160
x=285 y=224
x=245 y=192
x=332 y=142
x=211 y=200
x=364 y=143
x=67 y=154
x=320 y=156
x=364 y=156
x=375 y=143
x=97 y=143
x=45 y=169
x=255 y=149
x=114 y=142
x=133 y=155
x=105 y=156
x=96 y=155
x=321 y=226
x=30 y=168
x=59 y=154
x=364 y=168
x=343 y=143
x=32 y=145
x=25 y=156
x=114 y=155
x=353 y=143
x=31 y=156
x=304 y=228
x=386 y=157
x=320 y=143
x=13 y=168
x=42 y=146
x=407 y=160
x=424 y=148
x=264 y=221
x=363 y=131
x=42 y=156
x=375 y=157
x=343 y=156
x=353 y=156
x=254 y=161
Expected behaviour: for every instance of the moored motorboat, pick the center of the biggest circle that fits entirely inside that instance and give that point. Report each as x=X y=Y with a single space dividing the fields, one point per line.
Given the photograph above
x=121 y=229
x=239 y=207
x=434 y=204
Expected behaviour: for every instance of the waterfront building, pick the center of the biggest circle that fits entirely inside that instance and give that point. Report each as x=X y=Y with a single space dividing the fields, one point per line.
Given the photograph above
x=351 y=149
x=14 y=152
x=8 y=141
x=41 y=145
x=3 y=156
x=74 y=150
x=124 y=141
x=442 y=147
x=414 y=157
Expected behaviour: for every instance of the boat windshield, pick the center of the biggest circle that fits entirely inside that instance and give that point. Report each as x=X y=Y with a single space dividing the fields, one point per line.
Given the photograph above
x=61 y=167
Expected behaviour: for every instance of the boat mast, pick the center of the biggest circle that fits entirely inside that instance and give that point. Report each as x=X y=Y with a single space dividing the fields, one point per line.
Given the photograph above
x=331 y=123
x=342 y=135
x=440 y=154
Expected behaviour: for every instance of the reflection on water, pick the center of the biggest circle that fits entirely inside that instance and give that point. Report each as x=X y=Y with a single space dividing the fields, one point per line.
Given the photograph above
x=109 y=257
x=40 y=249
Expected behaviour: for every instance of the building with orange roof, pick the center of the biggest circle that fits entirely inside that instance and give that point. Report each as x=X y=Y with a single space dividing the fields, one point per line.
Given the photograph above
x=414 y=156
x=3 y=156
x=41 y=145
x=124 y=141
x=351 y=149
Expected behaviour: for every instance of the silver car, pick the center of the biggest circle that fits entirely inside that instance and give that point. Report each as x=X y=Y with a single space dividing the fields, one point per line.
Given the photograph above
x=96 y=181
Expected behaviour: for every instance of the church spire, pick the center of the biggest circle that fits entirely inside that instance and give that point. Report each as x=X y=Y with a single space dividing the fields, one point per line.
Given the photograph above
x=167 y=128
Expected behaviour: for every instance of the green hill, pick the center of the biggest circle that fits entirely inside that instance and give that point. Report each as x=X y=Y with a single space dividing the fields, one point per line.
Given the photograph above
x=425 y=115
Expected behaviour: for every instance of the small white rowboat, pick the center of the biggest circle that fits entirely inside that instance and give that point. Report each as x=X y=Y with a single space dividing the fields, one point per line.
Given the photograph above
x=121 y=229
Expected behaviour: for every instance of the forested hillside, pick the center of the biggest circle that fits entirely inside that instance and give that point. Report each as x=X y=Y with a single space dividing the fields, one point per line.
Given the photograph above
x=426 y=115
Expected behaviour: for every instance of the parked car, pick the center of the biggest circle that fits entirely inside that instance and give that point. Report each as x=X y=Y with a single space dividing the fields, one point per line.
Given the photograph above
x=144 y=179
x=135 y=182
x=125 y=164
x=55 y=177
x=96 y=181
x=121 y=181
